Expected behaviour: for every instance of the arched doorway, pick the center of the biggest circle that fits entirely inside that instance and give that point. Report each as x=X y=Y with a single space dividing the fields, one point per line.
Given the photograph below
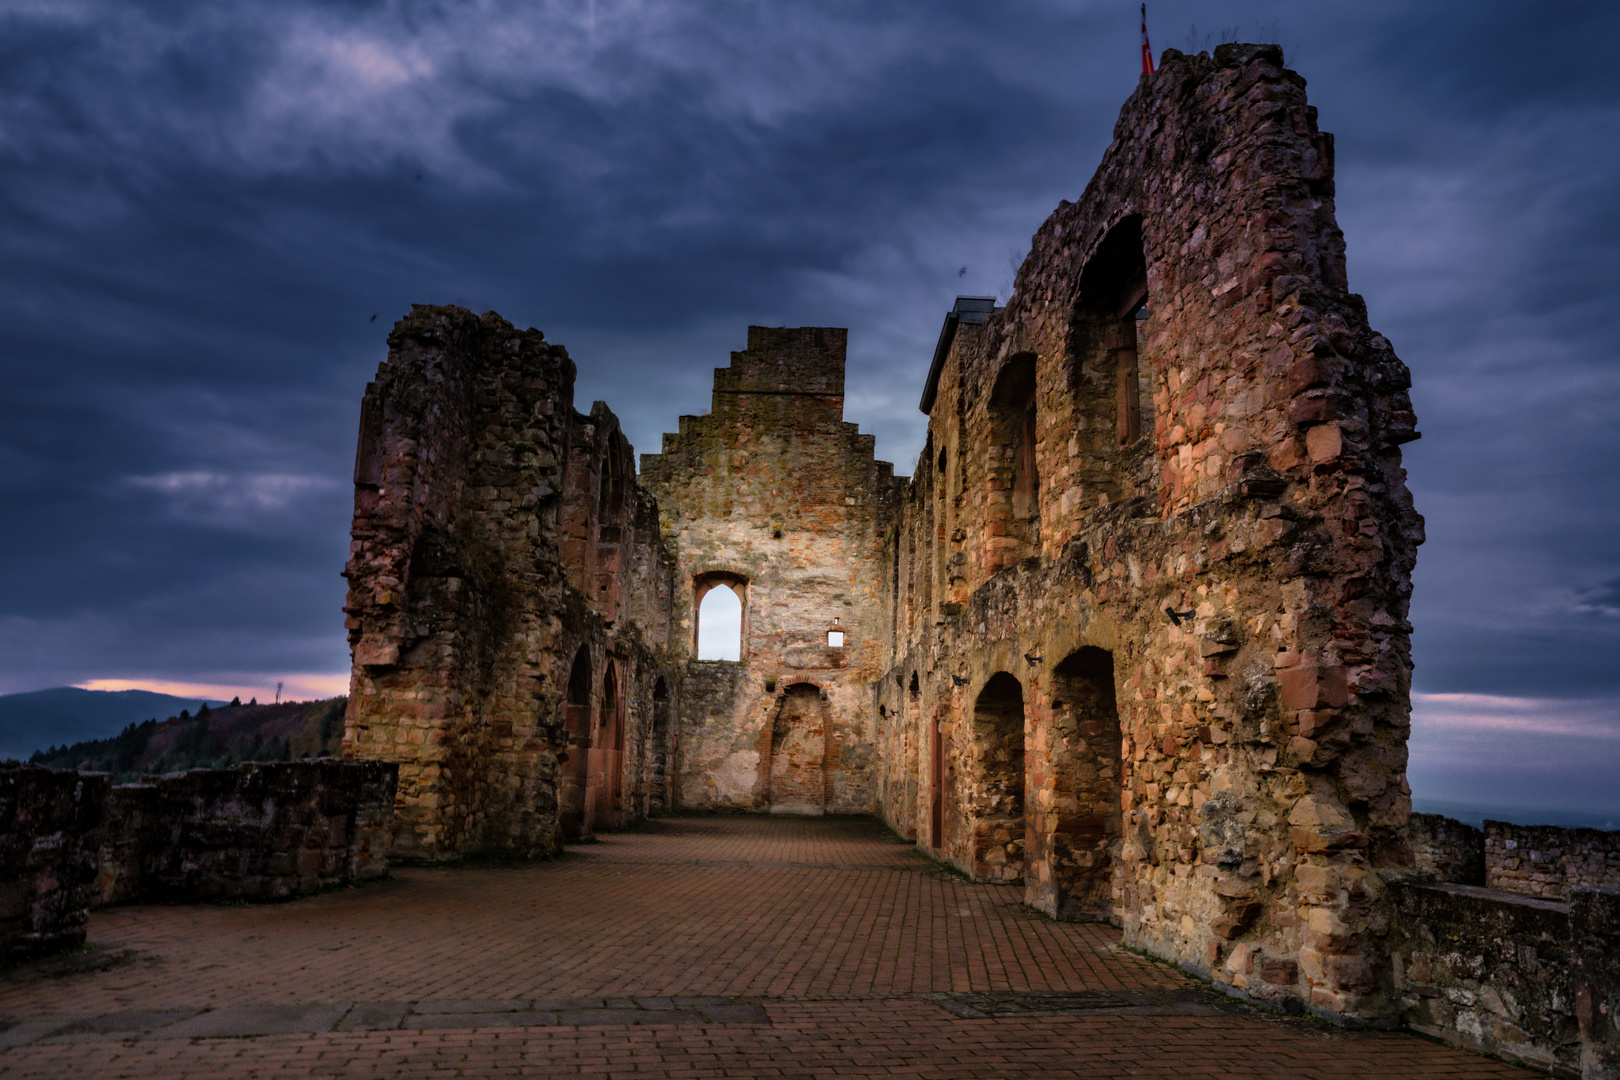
x=798 y=770
x=658 y=797
x=997 y=799
x=1085 y=820
x=606 y=796
x=574 y=765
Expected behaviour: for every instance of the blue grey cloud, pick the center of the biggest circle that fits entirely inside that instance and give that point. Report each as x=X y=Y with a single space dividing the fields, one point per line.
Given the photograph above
x=202 y=207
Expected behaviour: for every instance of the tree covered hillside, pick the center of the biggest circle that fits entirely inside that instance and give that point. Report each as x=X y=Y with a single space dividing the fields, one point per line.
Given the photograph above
x=212 y=739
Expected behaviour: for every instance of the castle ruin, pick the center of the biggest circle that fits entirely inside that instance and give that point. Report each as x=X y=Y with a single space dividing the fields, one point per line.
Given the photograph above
x=1133 y=632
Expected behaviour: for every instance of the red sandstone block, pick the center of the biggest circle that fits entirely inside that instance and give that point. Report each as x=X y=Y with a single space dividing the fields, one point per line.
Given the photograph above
x=1311 y=686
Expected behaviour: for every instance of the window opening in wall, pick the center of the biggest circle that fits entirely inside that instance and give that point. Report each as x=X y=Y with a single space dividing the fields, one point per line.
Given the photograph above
x=610 y=494
x=719 y=629
x=942 y=460
x=915 y=687
x=1113 y=303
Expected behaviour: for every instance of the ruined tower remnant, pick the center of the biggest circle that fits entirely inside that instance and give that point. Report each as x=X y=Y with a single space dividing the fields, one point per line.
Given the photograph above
x=1133 y=633
x=507 y=586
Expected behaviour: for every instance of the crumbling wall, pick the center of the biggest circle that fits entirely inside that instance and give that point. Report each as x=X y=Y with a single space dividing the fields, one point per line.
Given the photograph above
x=1532 y=979
x=1488 y=969
x=1545 y=860
x=267 y=831
x=50 y=829
x=494 y=532
x=1177 y=447
x=1444 y=849
x=773 y=493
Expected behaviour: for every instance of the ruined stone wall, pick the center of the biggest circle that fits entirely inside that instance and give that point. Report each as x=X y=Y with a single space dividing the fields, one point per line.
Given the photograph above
x=774 y=493
x=267 y=831
x=498 y=535
x=1162 y=515
x=50 y=830
x=1545 y=860
x=1444 y=849
x=1532 y=979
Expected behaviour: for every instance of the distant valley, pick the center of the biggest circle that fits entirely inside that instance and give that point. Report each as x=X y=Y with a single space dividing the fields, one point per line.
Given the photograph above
x=133 y=732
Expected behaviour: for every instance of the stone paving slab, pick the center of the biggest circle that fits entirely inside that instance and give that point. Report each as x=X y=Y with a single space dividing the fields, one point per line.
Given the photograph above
x=241 y=1021
x=247 y=1021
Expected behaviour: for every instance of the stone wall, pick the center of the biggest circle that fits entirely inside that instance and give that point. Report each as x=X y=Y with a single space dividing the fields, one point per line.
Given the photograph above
x=508 y=595
x=1444 y=849
x=254 y=832
x=1545 y=860
x=1531 y=979
x=71 y=841
x=774 y=495
x=50 y=823
x=1154 y=563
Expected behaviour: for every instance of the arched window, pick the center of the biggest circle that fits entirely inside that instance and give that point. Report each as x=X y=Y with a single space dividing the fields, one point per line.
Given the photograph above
x=718 y=616
x=1013 y=501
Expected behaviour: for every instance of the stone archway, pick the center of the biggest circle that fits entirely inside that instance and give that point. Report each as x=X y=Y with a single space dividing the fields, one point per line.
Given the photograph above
x=798 y=765
x=996 y=802
x=574 y=765
x=605 y=796
x=1080 y=821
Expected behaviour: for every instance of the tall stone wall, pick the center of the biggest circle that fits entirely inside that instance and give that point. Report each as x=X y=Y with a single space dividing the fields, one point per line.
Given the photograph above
x=773 y=494
x=1155 y=562
x=499 y=542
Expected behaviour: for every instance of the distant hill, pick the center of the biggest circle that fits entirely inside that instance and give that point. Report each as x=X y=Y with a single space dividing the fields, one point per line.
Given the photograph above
x=210 y=739
x=43 y=718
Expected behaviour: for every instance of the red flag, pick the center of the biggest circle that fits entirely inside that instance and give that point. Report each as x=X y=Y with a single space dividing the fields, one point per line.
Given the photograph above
x=1147 y=50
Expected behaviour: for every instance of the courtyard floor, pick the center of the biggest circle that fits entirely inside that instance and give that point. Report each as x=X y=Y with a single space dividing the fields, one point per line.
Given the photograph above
x=689 y=947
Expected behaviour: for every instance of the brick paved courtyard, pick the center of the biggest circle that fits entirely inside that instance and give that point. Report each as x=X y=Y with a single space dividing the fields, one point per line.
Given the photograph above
x=691 y=947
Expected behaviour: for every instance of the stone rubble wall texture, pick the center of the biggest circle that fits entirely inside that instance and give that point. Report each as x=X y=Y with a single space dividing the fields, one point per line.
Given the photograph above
x=1531 y=979
x=775 y=492
x=499 y=537
x=1188 y=538
x=1444 y=849
x=268 y=831
x=1544 y=860
x=49 y=834
x=72 y=841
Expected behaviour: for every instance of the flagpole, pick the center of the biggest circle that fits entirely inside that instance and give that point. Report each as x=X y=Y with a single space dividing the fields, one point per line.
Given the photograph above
x=1147 y=49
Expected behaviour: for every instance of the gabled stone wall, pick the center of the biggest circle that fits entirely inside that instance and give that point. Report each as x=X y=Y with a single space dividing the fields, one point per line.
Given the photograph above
x=773 y=493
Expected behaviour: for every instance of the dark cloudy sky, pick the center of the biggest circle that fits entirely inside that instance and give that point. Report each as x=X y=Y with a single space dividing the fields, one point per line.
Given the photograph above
x=202 y=206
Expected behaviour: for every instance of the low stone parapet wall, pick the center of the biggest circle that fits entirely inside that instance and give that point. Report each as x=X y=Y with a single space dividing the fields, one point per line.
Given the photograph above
x=254 y=832
x=49 y=833
x=1531 y=979
x=71 y=841
x=1544 y=860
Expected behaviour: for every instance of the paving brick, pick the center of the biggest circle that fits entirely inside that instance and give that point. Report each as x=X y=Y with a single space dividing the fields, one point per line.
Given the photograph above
x=636 y=918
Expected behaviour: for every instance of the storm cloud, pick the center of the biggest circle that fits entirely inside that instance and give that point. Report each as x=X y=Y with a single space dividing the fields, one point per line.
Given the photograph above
x=211 y=215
